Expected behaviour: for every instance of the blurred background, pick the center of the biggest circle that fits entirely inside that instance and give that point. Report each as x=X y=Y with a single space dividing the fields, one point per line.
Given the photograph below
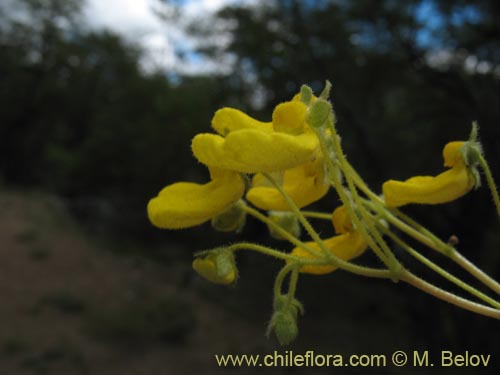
x=99 y=101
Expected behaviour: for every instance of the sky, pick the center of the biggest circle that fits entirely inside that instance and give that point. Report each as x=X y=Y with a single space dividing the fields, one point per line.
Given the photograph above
x=138 y=22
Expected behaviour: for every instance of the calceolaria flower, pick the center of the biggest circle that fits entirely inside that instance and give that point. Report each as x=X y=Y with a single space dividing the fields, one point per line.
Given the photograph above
x=305 y=184
x=346 y=245
x=445 y=187
x=217 y=267
x=186 y=204
x=286 y=164
x=250 y=146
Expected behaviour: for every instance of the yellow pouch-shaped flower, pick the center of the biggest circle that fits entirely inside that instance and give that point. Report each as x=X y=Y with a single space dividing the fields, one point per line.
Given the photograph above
x=445 y=187
x=341 y=221
x=250 y=146
x=304 y=184
x=210 y=268
x=227 y=120
x=253 y=151
x=346 y=246
x=186 y=204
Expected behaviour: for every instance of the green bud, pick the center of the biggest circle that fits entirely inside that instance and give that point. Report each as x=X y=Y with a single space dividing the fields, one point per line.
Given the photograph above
x=472 y=152
x=306 y=94
x=286 y=220
x=476 y=176
x=281 y=304
x=224 y=262
x=284 y=326
x=231 y=220
x=318 y=113
x=218 y=267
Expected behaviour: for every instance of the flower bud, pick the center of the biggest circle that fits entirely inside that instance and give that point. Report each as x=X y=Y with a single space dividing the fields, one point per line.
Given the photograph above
x=286 y=220
x=232 y=219
x=306 y=94
x=281 y=304
x=218 y=267
x=284 y=326
x=284 y=320
x=318 y=113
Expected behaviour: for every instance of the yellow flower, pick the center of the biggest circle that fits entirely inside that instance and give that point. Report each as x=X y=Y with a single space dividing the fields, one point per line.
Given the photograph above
x=250 y=146
x=347 y=245
x=341 y=221
x=445 y=187
x=304 y=184
x=186 y=204
x=227 y=120
x=210 y=268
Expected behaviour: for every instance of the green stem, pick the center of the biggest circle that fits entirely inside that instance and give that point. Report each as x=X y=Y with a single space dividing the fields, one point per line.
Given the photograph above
x=490 y=181
x=440 y=270
x=422 y=234
x=377 y=243
x=391 y=218
x=362 y=185
x=295 y=241
x=292 y=286
x=281 y=276
x=433 y=242
x=327 y=254
x=442 y=247
x=425 y=236
x=476 y=272
x=273 y=253
x=433 y=290
x=307 y=226
x=317 y=215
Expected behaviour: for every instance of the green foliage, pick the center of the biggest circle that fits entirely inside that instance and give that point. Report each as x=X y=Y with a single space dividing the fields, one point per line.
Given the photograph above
x=80 y=117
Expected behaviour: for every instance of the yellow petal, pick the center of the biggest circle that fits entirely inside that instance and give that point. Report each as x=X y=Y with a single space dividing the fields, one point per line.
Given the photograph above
x=227 y=120
x=445 y=187
x=186 y=204
x=253 y=151
x=207 y=268
x=304 y=184
x=452 y=154
x=345 y=246
x=290 y=117
x=341 y=220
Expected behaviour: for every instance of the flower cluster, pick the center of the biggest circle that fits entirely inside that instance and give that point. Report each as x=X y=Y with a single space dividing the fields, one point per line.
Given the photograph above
x=243 y=145
x=286 y=164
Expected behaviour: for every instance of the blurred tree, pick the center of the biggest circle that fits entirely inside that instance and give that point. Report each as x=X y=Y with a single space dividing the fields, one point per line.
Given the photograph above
x=80 y=117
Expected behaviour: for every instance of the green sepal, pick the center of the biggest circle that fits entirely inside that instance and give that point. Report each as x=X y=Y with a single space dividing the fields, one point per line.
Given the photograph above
x=217 y=266
x=284 y=326
x=325 y=94
x=319 y=112
x=306 y=94
x=232 y=219
x=281 y=304
x=472 y=153
x=284 y=319
x=286 y=220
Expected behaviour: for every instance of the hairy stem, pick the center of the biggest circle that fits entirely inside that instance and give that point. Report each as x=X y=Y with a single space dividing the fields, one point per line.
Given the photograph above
x=433 y=290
